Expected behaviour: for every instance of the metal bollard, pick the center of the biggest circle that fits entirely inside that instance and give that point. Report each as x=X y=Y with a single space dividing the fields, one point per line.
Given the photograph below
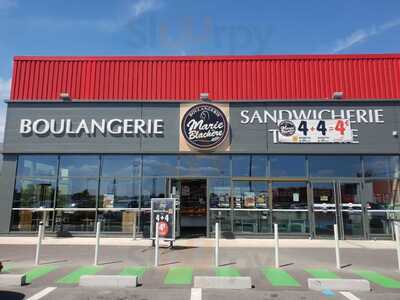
x=96 y=250
x=217 y=245
x=157 y=246
x=276 y=236
x=397 y=234
x=134 y=229
x=336 y=232
x=39 y=244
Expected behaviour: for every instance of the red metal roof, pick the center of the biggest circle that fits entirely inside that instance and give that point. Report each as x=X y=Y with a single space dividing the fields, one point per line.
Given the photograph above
x=232 y=78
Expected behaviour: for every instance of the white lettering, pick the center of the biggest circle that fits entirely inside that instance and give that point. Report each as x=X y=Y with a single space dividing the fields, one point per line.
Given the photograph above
x=41 y=126
x=257 y=116
x=379 y=116
x=25 y=126
x=245 y=115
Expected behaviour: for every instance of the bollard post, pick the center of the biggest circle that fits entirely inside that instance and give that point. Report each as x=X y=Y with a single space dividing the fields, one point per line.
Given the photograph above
x=96 y=250
x=276 y=235
x=134 y=229
x=39 y=243
x=397 y=234
x=336 y=232
x=157 y=246
x=217 y=245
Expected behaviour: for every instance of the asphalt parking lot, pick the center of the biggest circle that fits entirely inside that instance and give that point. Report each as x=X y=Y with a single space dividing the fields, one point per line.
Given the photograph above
x=62 y=266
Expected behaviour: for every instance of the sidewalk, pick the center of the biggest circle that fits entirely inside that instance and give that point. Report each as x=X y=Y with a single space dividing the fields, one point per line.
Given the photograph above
x=204 y=242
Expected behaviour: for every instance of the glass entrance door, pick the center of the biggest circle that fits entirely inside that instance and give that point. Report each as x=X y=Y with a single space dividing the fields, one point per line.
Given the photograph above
x=338 y=203
x=325 y=208
x=351 y=209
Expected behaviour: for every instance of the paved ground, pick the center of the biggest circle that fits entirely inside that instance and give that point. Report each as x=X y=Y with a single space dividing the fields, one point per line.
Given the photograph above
x=61 y=267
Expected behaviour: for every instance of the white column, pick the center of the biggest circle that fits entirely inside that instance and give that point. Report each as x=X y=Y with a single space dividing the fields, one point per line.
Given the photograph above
x=335 y=229
x=276 y=236
x=217 y=244
x=96 y=250
x=157 y=246
x=39 y=244
x=397 y=233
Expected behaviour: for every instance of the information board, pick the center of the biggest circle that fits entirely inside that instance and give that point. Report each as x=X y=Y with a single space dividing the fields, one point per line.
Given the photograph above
x=163 y=211
x=315 y=131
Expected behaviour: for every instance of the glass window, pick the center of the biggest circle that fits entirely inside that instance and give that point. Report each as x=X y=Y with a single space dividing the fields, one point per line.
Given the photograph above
x=259 y=165
x=219 y=190
x=33 y=193
x=249 y=165
x=288 y=166
x=121 y=165
x=82 y=165
x=289 y=195
x=37 y=165
x=241 y=165
x=204 y=165
x=224 y=218
x=116 y=193
x=380 y=166
x=75 y=220
x=27 y=220
x=381 y=194
x=251 y=221
x=117 y=221
x=152 y=188
x=334 y=166
x=160 y=165
x=77 y=193
x=250 y=194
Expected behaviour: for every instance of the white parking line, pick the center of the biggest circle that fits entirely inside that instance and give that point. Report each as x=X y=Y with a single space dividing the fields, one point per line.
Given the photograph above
x=195 y=294
x=349 y=296
x=42 y=293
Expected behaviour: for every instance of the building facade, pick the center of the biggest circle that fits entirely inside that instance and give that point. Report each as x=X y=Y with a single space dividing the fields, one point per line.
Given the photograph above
x=302 y=141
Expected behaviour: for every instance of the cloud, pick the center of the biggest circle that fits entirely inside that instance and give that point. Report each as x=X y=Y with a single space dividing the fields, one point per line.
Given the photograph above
x=5 y=87
x=141 y=7
x=6 y=4
x=361 y=35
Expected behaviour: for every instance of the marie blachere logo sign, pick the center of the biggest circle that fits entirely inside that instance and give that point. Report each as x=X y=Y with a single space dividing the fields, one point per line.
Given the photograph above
x=204 y=126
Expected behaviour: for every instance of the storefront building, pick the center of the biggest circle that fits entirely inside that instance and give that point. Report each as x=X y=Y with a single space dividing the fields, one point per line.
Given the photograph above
x=302 y=141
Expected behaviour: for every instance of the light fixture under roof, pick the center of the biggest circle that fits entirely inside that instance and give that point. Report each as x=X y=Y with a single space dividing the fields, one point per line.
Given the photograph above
x=65 y=96
x=337 y=95
x=204 y=96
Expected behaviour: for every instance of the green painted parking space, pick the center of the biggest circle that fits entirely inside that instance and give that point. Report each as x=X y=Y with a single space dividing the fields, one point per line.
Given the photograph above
x=379 y=279
x=6 y=268
x=227 y=272
x=73 y=277
x=179 y=275
x=39 y=272
x=133 y=271
x=278 y=277
x=322 y=273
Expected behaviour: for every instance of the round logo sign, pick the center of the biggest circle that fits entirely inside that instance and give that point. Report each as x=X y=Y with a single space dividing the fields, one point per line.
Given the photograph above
x=204 y=126
x=287 y=128
x=163 y=228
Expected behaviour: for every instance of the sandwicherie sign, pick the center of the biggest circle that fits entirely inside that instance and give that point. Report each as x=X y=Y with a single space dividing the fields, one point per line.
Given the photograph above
x=91 y=127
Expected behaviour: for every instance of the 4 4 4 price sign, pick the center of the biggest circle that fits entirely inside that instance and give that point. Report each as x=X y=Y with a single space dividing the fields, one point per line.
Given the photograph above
x=315 y=131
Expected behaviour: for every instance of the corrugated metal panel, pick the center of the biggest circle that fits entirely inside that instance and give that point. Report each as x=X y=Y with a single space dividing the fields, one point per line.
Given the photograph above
x=232 y=78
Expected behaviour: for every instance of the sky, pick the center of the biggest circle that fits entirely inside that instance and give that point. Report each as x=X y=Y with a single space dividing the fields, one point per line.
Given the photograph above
x=182 y=27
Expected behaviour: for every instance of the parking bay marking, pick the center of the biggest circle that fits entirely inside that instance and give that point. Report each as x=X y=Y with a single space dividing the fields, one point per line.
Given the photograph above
x=349 y=296
x=39 y=272
x=179 y=275
x=74 y=277
x=379 y=279
x=278 y=277
x=42 y=293
x=227 y=272
x=133 y=271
